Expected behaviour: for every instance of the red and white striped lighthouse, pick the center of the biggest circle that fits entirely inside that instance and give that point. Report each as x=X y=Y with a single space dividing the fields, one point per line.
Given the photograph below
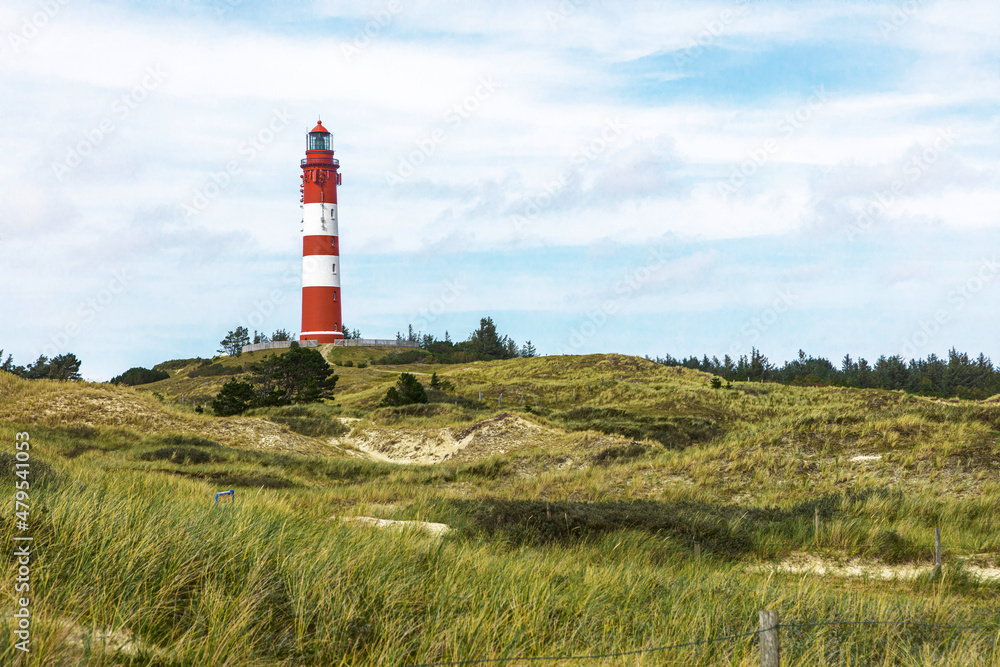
x=320 y=248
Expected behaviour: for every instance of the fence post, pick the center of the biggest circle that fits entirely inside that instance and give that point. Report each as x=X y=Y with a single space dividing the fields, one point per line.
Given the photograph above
x=937 y=553
x=770 y=646
x=697 y=550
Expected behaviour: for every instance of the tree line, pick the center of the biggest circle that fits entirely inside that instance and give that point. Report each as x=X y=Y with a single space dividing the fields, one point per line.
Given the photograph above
x=485 y=343
x=59 y=367
x=235 y=339
x=958 y=375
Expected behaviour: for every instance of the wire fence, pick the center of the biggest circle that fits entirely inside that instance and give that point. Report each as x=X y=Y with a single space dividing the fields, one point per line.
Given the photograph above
x=772 y=629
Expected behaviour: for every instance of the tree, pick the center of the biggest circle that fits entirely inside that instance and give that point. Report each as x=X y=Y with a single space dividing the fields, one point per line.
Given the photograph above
x=528 y=350
x=280 y=334
x=260 y=338
x=300 y=375
x=64 y=367
x=9 y=366
x=234 y=341
x=234 y=398
x=61 y=367
x=37 y=370
x=407 y=391
x=485 y=341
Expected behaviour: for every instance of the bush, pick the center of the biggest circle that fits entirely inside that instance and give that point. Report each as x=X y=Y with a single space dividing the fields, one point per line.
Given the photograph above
x=234 y=398
x=407 y=391
x=362 y=364
x=139 y=375
x=442 y=385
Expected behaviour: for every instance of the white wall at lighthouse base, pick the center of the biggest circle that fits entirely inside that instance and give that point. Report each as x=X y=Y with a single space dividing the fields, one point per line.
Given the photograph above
x=321 y=271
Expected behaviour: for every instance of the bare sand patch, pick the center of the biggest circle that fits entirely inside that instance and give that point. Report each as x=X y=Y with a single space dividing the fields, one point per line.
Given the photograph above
x=435 y=529
x=804 y=563
x=496 y=435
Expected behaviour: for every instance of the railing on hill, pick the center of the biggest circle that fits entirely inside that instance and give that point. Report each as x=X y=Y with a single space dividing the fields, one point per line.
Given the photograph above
x=277 y=345
x=352 y=342
x=375 y=342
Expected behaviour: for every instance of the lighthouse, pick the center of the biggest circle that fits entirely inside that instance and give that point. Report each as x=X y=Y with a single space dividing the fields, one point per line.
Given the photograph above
x=320 y=247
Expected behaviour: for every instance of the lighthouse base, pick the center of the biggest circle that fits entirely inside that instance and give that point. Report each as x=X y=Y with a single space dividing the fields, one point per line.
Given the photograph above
x=322 y=336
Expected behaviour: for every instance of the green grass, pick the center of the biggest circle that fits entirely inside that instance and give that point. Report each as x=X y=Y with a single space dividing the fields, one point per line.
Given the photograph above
x=578 y=541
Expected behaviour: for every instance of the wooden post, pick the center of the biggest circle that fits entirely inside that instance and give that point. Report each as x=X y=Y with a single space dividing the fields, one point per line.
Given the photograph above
x=817 y=525
x=574 y=393
x=937 y=553
x=697 y=550
x=500 y=399
x=770 y=645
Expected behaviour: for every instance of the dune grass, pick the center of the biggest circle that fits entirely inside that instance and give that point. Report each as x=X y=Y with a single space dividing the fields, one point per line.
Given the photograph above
x=580 y=546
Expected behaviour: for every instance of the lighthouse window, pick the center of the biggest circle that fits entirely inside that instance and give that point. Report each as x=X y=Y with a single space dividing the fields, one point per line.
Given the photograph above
x=334 y=267
x=319 y=141
x=334 y=296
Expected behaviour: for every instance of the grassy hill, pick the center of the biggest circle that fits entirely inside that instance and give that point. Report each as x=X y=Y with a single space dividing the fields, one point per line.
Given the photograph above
x=574 y=506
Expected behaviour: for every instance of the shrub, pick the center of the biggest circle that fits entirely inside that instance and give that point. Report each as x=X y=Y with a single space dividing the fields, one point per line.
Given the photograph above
x=234 y=398
x=408 y=390
x=139 y=375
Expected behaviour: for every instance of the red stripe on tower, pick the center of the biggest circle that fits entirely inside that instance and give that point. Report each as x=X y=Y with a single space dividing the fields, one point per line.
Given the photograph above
x=320 y=252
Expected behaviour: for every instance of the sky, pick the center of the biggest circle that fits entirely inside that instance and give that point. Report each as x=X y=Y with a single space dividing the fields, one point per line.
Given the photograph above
x=647 y=178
